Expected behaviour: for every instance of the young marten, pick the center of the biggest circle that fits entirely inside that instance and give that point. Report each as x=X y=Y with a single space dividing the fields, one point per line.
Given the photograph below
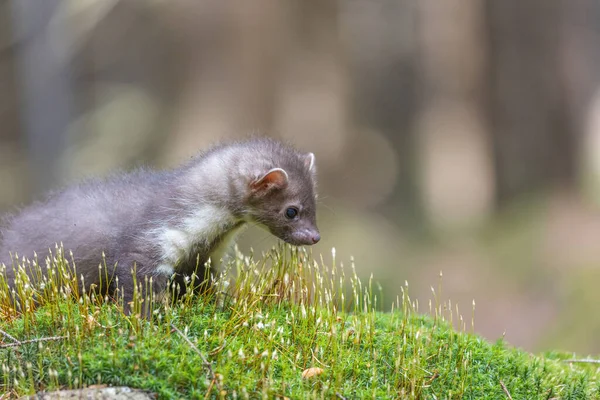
x=169 y=222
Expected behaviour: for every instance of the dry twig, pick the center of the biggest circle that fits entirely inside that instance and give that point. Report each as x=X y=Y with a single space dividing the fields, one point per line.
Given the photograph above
x=583 y=361
x=44 y=339
x=7 y=335
x=204 y=360
x=506 y=390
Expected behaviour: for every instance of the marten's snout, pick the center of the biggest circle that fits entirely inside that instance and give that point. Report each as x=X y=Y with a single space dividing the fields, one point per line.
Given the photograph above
x=306 y=237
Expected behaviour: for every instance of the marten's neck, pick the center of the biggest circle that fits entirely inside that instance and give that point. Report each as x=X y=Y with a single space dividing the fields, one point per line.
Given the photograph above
x=198 y=233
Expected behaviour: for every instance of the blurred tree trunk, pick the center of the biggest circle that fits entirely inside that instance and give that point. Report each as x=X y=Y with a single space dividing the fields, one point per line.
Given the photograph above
x=11 y=158
x=44 y=84
x=8 y=99
x=453 y=145
x=314 y=81
x=534 y=140
x=382 y=55
x=580 y=60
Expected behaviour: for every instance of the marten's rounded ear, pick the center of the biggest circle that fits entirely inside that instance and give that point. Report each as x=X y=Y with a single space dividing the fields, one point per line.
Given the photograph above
x=276 y=178
x=309 y=162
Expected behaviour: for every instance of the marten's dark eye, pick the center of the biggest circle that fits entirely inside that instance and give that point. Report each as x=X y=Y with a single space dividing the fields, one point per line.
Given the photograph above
x=291 y=212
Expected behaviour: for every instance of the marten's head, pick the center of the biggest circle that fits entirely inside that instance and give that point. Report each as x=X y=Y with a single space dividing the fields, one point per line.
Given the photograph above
x=260 y=181
x=282 y=197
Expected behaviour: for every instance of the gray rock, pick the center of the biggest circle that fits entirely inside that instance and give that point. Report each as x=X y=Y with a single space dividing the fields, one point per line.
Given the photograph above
x=95 y=393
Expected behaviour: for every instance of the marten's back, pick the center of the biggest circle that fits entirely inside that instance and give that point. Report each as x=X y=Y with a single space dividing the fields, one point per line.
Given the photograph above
x=87 y=219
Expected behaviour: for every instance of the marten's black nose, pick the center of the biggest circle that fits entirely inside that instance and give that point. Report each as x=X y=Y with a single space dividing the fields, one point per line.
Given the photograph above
x=316 y=237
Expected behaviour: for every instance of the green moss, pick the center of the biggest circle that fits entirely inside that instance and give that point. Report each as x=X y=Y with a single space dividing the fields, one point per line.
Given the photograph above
x=283 y=314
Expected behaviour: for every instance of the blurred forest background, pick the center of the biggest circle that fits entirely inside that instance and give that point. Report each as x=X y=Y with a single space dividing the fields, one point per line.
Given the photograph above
x=460 y=136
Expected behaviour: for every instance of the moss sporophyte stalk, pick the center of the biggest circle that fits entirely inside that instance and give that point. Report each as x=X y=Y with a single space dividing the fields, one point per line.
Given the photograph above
x=283 y=324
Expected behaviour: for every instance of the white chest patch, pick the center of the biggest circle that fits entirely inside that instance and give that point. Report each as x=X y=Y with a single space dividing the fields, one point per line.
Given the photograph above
x=200 y=228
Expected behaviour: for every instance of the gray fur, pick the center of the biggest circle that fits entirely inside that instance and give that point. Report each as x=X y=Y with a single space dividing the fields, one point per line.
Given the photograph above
x=127 y=216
